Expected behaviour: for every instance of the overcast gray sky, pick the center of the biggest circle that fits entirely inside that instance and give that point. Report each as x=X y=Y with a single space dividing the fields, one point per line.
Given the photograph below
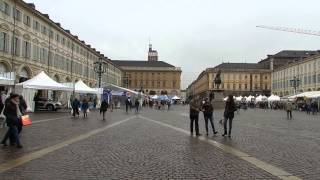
x=192 y=34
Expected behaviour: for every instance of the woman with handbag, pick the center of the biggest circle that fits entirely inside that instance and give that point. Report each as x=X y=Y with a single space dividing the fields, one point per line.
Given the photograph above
x=228 y=114
x=12 y=111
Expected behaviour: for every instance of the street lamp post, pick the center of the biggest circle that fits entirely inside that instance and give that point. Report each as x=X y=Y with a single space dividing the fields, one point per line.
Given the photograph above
x=295 y=82
x=99 y=69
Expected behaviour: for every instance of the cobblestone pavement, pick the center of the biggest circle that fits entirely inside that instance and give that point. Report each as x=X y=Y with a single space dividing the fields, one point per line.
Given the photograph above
x=292 y=145
x=140 y=149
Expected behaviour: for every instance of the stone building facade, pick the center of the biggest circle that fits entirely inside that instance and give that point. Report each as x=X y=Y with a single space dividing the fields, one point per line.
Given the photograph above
x=31 y=42
x=306 y=71
x=237 y=79
x=152 y=77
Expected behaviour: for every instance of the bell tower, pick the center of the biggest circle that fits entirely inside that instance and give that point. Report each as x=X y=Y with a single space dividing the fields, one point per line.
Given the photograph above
x=152 y=54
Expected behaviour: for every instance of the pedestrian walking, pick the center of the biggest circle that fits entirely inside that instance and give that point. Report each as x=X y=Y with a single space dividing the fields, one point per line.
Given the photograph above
x=194 y=115
x=314 y=107
x=85 y=107
x=128 y=104
x=207 y=109
x=169 y=104
x=289 y=109
x=228 y=114
x=75 y=107
x=103 y=108
x=2 y=100
x=137 y=104
x=12 y=113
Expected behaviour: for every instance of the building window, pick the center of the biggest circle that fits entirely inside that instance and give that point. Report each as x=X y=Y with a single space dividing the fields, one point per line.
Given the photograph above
x=239 y=86
x=16 y=46
x=245 y=77
x=63 y=42
x=4 y=42
x=158 y=84
x=266 y=77
x=318 y=78
x=26 y=49
x=255 y=86
x=51 y=34
x=164 y=84
x=57 y=38
x=5 y=8
x=27 y=20
x=44 y=30
x=36 y=25
x=16 y=14
x=245 y=86
x=44 y=56
x=35 y=53
x=266 y=86
x=255 y=77
x=234 y=86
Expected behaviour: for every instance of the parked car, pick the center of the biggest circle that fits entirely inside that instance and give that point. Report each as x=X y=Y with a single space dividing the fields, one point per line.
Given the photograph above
x=47 y=104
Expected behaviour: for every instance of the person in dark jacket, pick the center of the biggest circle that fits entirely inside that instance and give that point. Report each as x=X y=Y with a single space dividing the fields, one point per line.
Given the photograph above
x=207 y=109
x=103 y=108
x=128 y=104
x=194 y=115
x=75 y=107
x=12 y=114
x=137 y=104
x=229 y=110
x=85 y=107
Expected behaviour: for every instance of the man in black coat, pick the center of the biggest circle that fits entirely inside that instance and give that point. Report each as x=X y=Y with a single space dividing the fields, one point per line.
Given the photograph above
x=194 y=115
x=207 y=109
x=128 y=104
x=12 y=119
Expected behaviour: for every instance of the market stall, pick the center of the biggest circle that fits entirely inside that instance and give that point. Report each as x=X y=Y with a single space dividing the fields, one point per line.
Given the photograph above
x=41 y=81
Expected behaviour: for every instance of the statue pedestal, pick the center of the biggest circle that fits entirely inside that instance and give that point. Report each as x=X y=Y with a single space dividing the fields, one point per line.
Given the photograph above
x=218 y=102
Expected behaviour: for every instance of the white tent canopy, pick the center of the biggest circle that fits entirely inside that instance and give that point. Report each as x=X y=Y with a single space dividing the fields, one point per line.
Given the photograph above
x=124 y=89
x=309 y=94
x=44 y=82
x=273 y=98
x=261 y=98
x=175 y=98
x=155 y=97
x=249 y=98
x=239 y=98
x=81 y=87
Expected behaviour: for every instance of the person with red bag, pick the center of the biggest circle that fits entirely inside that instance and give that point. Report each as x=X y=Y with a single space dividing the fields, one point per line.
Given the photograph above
x=11 y=111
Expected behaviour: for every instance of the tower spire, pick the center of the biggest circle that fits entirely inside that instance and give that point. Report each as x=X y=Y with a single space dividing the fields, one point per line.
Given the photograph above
x=152 y=54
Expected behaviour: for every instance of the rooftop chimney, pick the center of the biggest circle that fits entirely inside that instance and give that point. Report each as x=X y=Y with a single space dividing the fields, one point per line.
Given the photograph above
x=46 y=15
x=32 y=5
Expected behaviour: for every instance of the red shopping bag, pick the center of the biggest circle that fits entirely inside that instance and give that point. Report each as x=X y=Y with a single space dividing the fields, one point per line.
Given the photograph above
x=26 y=120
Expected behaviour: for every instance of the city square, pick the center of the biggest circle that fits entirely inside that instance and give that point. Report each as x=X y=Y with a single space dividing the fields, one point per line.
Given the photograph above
x=152 y=89
x=156 y=144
